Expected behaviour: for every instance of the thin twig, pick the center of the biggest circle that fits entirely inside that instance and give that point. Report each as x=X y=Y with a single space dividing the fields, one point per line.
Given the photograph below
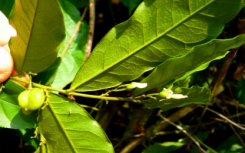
x=84 y=3
x=91 y=28
x=224 y=69
x=160 y=126
x=232 y=103
x=200 y=120
x=74 y=33
x=69 y=93
x=237 y=115
x=225 y=111
x=224 y=121
x=86 y=106
x=238 y=136
x=182 y=130
x=225 y=118
x=132 y=145
x=100 y=101
x=206 y=146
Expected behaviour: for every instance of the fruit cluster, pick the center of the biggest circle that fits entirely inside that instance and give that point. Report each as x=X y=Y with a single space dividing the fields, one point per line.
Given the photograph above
x=31 y=100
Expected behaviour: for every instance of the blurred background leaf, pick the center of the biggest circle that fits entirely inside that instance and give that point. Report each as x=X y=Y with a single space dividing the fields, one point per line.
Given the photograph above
x=230 y=145
x=30 y=144
x=166 y=147
x=74 y=56
x=6 y=6
x=131 y=4
x=79 y=3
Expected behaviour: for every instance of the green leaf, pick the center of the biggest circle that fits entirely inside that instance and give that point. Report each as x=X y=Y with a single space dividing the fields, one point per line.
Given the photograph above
x=196 y=60
x=241 y=91
x=131 y=4
x=74 y=56
x=6 y=6
x=196 y=95
x=46 y=77
x=185 y=82
x=202 y=136
x=165 y=147
x=40 y=32
x=79 y=3
x=231 y=145
x=10 y=112
x=158 y=30
x=67 y=128
x=32 y=143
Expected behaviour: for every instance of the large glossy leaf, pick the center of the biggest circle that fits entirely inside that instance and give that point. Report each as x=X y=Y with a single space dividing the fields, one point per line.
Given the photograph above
x=10 y=112
x=197 y=60
x=158 y=30
x=74 y=56
x=196 y=95
x=6 y=6
x=68 y=128
x=40 y=32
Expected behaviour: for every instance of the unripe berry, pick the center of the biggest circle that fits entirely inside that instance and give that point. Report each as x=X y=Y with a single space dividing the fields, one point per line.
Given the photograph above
x=31 y=100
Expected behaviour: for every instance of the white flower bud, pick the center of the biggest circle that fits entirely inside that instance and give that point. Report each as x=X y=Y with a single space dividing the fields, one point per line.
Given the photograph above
x=139 y=85
x=136 y=85
x=170 y=95
x=177 y=96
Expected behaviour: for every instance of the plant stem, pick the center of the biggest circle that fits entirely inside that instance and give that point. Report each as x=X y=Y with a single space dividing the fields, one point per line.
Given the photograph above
x=150 y=132
x=182 y=130
x=130 y=99
x=91 y=28
x=74 y=33
x=225 y=118
x=93 y=108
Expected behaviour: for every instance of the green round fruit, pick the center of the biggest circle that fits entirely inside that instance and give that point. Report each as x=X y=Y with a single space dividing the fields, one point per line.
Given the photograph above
x=23 y=99
x=36 y=99
x=31 y=100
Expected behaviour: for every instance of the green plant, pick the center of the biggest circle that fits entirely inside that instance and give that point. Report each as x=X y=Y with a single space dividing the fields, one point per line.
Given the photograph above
x=158 y=49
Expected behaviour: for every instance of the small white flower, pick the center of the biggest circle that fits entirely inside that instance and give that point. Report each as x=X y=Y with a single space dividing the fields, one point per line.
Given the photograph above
x=177 y=96
x=135 y=85
x=139 y=85
x=171 y=95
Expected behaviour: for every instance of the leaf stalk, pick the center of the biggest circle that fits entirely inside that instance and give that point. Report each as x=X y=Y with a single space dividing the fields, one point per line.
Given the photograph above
x=67 y=92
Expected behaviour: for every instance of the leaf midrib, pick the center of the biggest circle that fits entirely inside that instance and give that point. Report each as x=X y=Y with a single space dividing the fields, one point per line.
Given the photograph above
x=62 y=127
x=145 y=45
x=23 y=62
